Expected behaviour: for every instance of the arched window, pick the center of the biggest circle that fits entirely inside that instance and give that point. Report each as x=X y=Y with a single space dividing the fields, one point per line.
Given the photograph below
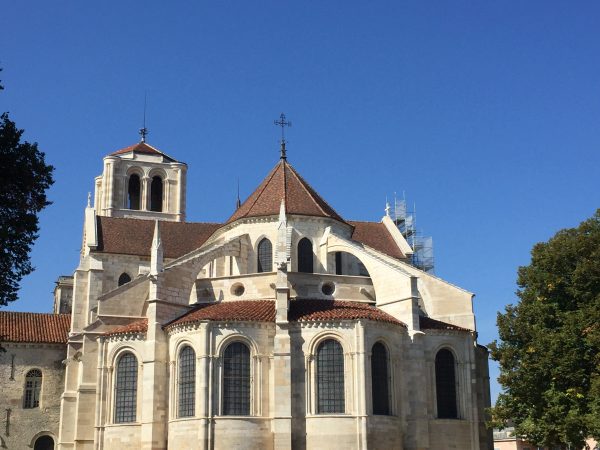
x=44 y=443
x=33 y=387
x=156 y=194
x=236 y=380
x=305 y=256
x=330 y=378
x=445 y=385
x=133 y=192
x=187 y=382
x=126 y=389
x=380 y=380
x=124 y=278
x=265 y=256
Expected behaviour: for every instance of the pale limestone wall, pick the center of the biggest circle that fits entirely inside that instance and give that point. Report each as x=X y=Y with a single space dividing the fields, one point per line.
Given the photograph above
x=260 y=227
x=25 y=425
x=413 y=424
x=112 y=187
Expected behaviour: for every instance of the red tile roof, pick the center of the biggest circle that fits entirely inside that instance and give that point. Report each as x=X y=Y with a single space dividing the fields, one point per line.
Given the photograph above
x=142 y=147
x=283 y=182
x=34 y=327
x=235 y=311
x=427 y=323
x=377 y=236
x=300 y=311
x=326 y=310
x=139 y=326
x=134 y=236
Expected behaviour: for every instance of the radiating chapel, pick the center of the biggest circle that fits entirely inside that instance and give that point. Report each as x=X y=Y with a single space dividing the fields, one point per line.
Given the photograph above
x=286 y=326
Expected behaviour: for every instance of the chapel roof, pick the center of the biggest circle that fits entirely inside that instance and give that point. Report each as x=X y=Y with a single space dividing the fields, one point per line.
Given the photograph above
x=137 y=326
x=284 y=183
x=300 y=310
x=144 y=149
x=427 y=323
x=134 y=236
x=377 y=236
x=34 y=327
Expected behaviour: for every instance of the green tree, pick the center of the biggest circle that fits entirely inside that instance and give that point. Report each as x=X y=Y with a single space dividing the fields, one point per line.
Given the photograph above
x=24 y=179
x=549 y=347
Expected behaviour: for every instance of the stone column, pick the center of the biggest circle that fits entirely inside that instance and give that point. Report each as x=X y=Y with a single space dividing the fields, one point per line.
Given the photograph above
x=282 y=387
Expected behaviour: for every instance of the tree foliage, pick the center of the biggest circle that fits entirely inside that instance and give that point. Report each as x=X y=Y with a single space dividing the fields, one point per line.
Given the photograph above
x=549 y=348
x=23 y=184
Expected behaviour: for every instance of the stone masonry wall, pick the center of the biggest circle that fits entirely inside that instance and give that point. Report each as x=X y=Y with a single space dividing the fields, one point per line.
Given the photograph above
x=25 y=425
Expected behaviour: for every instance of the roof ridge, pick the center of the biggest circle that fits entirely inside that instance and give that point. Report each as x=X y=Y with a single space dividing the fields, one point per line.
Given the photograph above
x=313 y=193
x=268 y=180
x=303 y=183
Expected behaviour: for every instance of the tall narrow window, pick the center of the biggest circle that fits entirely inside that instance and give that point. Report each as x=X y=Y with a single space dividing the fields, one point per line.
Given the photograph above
x=126 y=389
x=33 y=387
x=236 y=380
x=330 y=378
x=134 y=192
x=265 y=256
x=187 y=382
x=445 y=385
x=380 y=380
x=156 y=194
x=124 y=278
x=305 y=256
x=338 y=263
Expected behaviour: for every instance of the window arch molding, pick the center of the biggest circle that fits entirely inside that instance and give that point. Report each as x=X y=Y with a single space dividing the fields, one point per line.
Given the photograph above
x=32 y=388
x=305 y=255
x=124 y=278
x=389 y=376
x=254 y=367
x=154 y=204
x=42 y=434
x=457 y=385
x=257 y=252
x=133 y=171
x=174 y=352
x=186 y=380
x=312 y=379
x=114 y=357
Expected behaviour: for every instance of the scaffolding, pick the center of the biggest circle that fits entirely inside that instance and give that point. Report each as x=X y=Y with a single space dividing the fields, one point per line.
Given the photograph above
x=422 y=246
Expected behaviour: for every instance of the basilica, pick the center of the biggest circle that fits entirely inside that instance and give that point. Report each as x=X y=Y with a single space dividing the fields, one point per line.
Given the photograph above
x=286 y=326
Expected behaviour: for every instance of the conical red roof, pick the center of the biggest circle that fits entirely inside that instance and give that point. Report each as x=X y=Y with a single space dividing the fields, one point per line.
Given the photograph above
x=284 y=183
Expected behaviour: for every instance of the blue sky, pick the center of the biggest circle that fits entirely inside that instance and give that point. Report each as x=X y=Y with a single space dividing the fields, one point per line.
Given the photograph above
x=486 y=114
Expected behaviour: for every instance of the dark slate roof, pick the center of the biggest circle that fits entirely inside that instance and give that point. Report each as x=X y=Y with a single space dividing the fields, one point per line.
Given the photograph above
x=300 y=311
x=134 y=236
x=427 y=323
x=377 y=236
x=138 y=326
x=283 y=182
x=34 y=327
x=142 y=148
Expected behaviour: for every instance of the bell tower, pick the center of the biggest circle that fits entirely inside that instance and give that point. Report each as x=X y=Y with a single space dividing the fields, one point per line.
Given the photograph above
x=141 y=182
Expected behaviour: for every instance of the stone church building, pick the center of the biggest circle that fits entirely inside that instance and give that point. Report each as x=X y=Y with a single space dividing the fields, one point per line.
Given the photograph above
x=286 y=326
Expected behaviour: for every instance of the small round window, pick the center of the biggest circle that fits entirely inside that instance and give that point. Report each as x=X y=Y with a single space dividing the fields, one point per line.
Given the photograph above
x=238 y=289
x=328 y=288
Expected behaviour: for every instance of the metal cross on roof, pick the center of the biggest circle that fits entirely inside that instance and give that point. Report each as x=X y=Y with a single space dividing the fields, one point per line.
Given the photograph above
x=283 y=123
x=144 y=131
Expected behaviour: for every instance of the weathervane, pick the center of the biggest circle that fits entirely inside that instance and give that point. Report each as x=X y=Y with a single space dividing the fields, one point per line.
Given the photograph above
x=144 y=131
x=283 y=123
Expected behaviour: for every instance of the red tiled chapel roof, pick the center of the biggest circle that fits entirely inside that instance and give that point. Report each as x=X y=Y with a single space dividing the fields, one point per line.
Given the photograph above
x=301 y=310
x=34 y=327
